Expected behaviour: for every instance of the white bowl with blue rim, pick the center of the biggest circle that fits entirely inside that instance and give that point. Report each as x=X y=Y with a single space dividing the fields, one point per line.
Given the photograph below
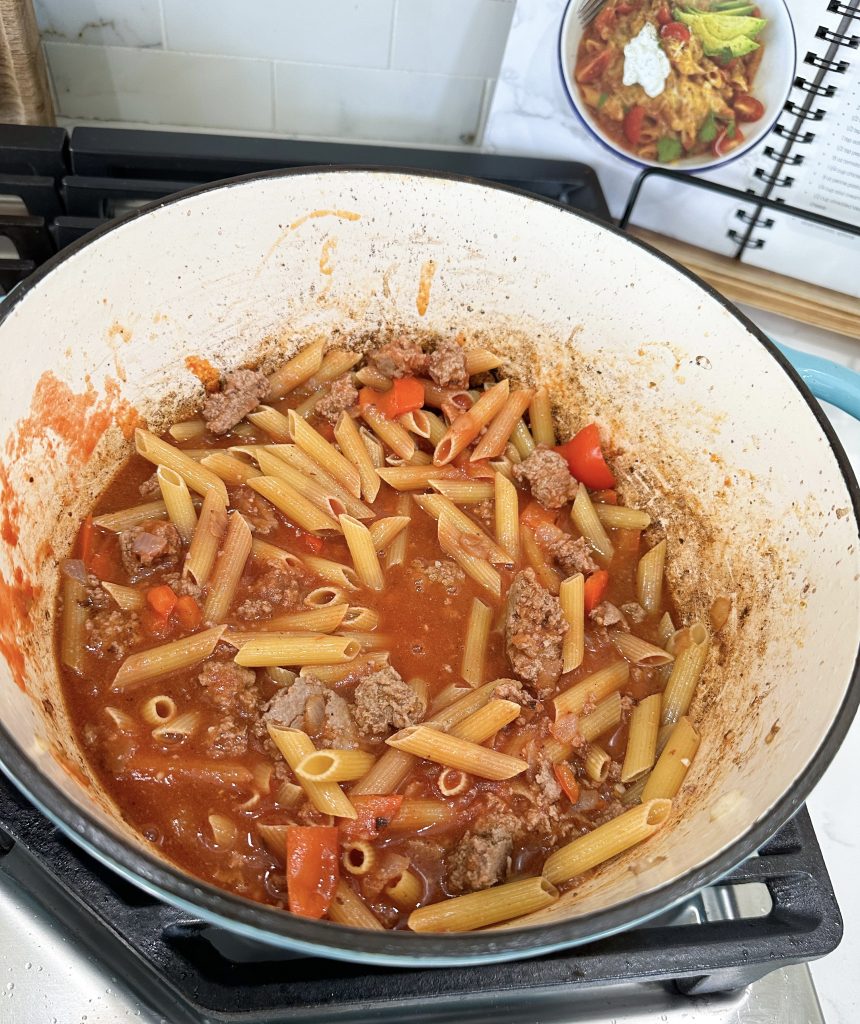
x=771 y=87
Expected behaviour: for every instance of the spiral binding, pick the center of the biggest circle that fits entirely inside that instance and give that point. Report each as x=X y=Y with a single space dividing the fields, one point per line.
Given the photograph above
x=801 y=112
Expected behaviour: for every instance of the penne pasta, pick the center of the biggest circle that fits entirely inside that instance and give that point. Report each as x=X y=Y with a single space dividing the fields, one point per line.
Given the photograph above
x=130 y=599
x=383 y=531
x=206 y=539
x=417 y=814
x=336 y=362
x=640 y=652
x=535 y=557
x=585 y=520
x=173 y=657
x=363 y=552
x=295 y=649
x=231 y=470
x=571 y=596
x=158 y=710
x=358 y=617
x=326 y=797
x=451 y=540
x=129 y=517
x=464 y=492
x=349 y=909
x=308 y=405
x=229 y=565
x=396 y=554
x=668 y=774
x=522 y=440
x=507 y=516
x=334 y=765
x=499 y=432
x=295 y=371
x=373 y=378
x=320 y=620
x=469 y=424
x=642 y=738
x=296 y=507
x=328 y=502
x=178 y=728
x=353 y=447
x=334 y=572
x=617 y=517
x=177 y=500
x=435 y=504
x=374 y=447
x=327 y=457
x=412 y=478
x=686 y=670
x=358 y=857
x=437 y=427
x=415 y=422
x=363 y=664
x=475 y=645
x=187 y=430
x=74 y=624
x=649 y=577
x=592 y=689
x=453 y=752
x=484 y=723
x=597 y=763
x=606 y=841
x=263 y=551
x=452 y=782
x=160 y=453
x=371 y=641
x=540 y=417
x=481 y=360
x=485 y=907
x=407 y=891
x=322 y=597
x=605 y=716
x=293 y=456
x=389 y=432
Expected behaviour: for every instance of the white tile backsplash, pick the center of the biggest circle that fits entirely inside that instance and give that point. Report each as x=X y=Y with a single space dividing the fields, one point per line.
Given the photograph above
x=354 y=103
x=115 y=83
x=417 y=71
x=107 y=22
x=350 y=32
x=450 y=36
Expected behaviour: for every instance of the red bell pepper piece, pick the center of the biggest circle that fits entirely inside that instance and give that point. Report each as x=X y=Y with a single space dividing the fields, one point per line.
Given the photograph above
x=312 y=869
x=162 y=600
x=595 y=588
x=373 y=815
x=405 y=395
x=633 y=121
x=585 y=458
x=568 y=781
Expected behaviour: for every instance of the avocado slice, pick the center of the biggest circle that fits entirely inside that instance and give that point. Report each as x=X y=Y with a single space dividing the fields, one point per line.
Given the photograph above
x=723 y=35
x=738 y=10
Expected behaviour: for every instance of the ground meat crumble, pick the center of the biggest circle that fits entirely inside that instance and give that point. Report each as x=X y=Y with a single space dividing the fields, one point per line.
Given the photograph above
x=534 y=631
x=383 y=701
x=400 y=358
x=311 y=705
x=571 y=556
x=447 y=365
x=151 y=545
x=548 y=476
x=341 y=395
x=242 y=392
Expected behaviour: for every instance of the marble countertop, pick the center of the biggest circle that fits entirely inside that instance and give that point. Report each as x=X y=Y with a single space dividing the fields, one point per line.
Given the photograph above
x=530 y=115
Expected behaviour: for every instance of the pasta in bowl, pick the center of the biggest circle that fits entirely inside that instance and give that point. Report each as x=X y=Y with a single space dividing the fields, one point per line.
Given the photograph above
x=691 y=84
x=400 y=657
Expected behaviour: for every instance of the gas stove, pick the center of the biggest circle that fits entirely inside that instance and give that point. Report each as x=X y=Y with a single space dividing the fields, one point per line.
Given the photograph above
x=79 y=943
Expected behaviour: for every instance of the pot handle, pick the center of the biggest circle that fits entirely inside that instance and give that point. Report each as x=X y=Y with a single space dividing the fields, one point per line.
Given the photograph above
x=828 y=381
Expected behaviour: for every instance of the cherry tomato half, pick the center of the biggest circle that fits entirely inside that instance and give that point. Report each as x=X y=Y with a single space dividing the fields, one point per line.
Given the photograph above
x=727 y=140
x=675 y=30
x=633 y=120
x=593 y=69
x=747 y=108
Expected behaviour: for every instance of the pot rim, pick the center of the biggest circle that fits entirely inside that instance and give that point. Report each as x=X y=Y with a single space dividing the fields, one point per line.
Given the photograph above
x=276 y=927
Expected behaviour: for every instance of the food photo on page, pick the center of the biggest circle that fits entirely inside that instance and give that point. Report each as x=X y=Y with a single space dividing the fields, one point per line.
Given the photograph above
x=428 y=513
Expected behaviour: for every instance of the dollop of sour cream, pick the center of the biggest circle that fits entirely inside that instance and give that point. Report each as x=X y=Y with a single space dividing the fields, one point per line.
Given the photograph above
x=645 y=63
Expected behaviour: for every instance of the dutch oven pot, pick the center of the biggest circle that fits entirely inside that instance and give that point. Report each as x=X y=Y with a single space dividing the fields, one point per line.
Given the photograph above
x=716 y=437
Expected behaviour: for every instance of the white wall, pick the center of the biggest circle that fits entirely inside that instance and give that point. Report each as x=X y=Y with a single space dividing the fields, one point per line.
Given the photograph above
x=417 y=71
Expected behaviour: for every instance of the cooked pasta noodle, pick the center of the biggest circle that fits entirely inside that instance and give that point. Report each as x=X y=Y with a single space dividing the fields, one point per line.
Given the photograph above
x=224 y=582
x=475 y=646
x=571 y=595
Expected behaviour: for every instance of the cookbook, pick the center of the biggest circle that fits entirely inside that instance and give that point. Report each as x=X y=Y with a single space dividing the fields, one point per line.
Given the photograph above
x=809 y=159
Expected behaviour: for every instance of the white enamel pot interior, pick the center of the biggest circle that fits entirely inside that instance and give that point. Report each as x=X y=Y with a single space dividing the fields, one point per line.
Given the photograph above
x=715 y=436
